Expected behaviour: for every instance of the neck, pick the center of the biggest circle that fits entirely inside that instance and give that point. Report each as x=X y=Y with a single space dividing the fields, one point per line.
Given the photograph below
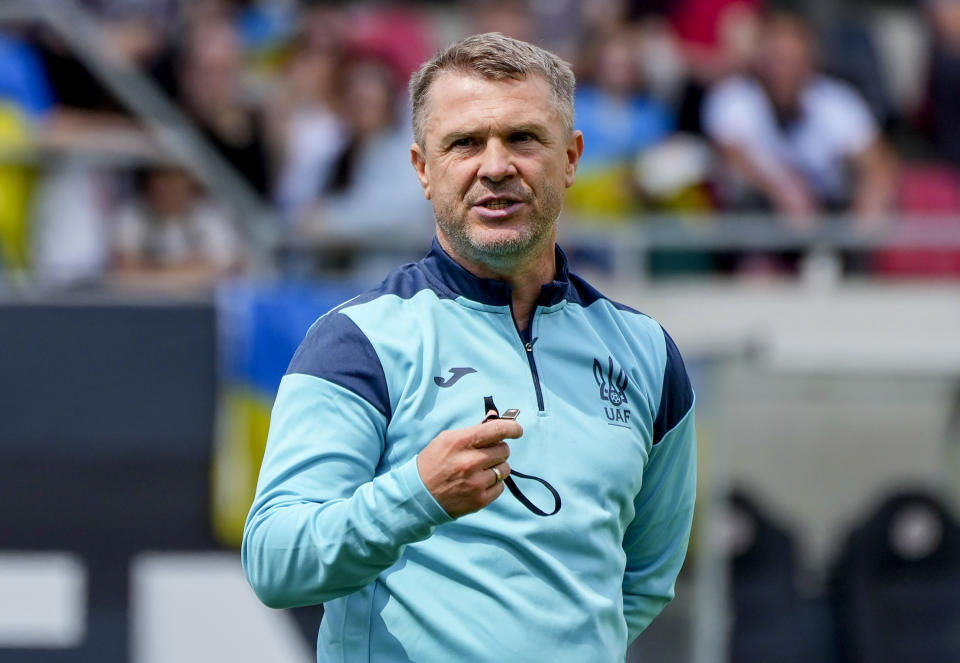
x=525 y=277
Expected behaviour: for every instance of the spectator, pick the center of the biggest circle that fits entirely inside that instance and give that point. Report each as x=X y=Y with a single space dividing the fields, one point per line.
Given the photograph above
x=69 y=236
x=371 y=189
x=84 y=106
x=943 y=100
x=211 y=90
x=786 y=133
x=307 y=131
x=171 y=238
x=619 y=120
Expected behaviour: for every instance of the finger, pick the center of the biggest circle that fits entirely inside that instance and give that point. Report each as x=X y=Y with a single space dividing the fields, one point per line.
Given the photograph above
x=474 y=464
x=491 y=455
x=491 y=493
x=490 y=416
x=500 y=472
x=494 y=476
x=483 y=435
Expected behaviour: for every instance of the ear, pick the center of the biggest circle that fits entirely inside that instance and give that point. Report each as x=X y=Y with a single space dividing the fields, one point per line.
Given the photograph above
x=419 y=161
x=598 y=373
x=574 y=152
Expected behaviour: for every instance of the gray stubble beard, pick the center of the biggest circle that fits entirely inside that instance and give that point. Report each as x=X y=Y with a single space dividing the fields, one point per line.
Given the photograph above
x=500 y=256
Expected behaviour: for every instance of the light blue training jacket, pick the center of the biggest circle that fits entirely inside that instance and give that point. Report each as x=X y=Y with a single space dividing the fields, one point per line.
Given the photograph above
x=342 y=517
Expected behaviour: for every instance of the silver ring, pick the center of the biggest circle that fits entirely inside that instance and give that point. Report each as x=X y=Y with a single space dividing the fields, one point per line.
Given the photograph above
x=498 y=478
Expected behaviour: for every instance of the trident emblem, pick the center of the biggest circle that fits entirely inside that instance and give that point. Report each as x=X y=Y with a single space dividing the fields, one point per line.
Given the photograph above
x=611 y=389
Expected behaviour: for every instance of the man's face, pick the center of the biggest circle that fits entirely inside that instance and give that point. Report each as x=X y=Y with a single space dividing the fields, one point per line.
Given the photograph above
x=495 y=162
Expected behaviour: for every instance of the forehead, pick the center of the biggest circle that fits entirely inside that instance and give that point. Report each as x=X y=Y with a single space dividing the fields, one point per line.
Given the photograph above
x=467 y=102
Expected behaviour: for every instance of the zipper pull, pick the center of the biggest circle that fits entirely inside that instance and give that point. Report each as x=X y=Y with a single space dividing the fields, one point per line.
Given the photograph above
x=528 y=346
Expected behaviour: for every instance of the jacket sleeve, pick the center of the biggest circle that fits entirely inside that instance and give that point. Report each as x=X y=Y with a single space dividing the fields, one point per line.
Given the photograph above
x=656 y=540
x=324 y=523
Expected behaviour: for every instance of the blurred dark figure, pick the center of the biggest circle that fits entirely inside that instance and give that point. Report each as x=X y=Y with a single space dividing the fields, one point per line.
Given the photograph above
x=897 y=583
x=211 y=90
x=942 y=108
x=171 y=237
x=772 y=622
x=83 y=103
x=787 y=135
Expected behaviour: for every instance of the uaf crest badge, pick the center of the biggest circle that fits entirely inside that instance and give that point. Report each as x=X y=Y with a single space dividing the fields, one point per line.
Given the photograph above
x=613 y=390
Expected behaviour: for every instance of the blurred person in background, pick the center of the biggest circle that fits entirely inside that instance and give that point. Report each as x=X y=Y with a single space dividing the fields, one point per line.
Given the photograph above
x=364 y=194
x=171 y=237
x=367 y=192
x=787 y=134
x=619 y=120
x=942 y=105
x=84 y=105
x=211 y=90
x=307 y=132
x=69 y=234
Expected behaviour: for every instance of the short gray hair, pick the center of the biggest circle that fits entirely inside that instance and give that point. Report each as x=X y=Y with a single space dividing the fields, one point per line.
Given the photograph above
x=497 y=57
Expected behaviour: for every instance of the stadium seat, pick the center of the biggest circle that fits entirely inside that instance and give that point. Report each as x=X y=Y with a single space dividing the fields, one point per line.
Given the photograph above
x=896 y=584
x=773 y=623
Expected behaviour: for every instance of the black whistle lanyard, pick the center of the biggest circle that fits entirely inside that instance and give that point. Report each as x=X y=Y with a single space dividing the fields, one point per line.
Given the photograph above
x=510 y=483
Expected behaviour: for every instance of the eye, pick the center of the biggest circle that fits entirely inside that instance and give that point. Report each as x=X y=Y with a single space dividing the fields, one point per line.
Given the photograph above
x=522 y=137
x=461 y=143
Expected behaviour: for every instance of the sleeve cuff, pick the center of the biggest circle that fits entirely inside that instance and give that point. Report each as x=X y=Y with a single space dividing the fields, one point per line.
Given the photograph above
x=409 y=475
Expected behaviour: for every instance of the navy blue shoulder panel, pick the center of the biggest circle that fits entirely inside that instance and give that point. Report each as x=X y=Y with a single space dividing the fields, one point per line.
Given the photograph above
x=336 y=350
x=581 y=292
x=676 y=397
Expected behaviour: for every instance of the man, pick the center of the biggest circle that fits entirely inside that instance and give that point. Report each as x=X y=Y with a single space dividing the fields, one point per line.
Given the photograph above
x=788 y=134
x=380 y=493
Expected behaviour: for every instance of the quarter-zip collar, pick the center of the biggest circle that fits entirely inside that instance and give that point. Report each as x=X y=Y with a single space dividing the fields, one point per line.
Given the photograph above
x=442 y=268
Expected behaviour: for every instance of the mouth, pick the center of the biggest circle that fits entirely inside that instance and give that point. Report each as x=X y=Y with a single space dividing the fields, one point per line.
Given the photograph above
x=494 y=208
x=497 y=202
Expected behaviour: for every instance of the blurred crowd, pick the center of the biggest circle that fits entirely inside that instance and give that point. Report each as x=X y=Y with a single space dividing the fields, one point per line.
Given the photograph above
x=688 y=107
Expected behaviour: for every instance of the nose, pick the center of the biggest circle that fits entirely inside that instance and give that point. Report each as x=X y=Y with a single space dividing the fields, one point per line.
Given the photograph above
x=496 y=162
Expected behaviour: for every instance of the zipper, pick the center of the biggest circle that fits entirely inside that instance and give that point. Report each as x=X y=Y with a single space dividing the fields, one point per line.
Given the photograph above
x=527 y=340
